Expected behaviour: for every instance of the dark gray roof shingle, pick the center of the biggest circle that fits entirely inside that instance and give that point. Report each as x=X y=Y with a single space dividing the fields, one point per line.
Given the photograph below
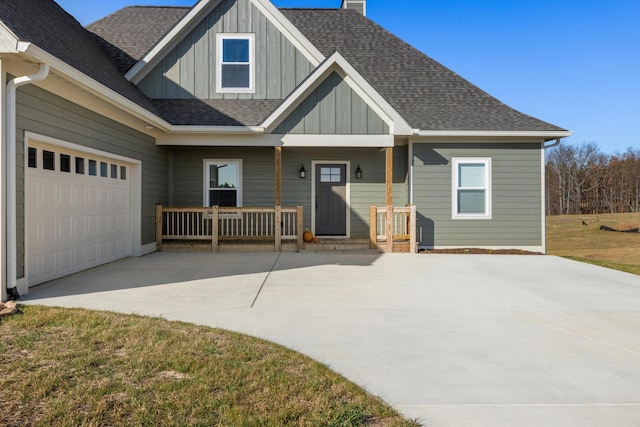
x=427 y=94
x=130 y=33
x=221 y=112
x=48 y=26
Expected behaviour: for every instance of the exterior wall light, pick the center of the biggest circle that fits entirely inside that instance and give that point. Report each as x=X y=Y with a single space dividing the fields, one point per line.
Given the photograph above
x=302 y=172
x=358 y=172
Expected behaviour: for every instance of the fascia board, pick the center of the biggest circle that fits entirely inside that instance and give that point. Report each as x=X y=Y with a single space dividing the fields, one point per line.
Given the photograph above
x=170 y=40
x=94 y=87
x=218 y=129
x=397 y=124
x=8 y=40
x=291 y=32
x=491 y=133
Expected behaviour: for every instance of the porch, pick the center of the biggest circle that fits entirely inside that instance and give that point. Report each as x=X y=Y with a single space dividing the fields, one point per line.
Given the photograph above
x=279 y=229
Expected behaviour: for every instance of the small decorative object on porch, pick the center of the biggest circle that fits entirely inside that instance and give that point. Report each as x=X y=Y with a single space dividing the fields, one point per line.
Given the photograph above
x=302 y=172
x=358 y=172
x=307 y=236
x=315 y=240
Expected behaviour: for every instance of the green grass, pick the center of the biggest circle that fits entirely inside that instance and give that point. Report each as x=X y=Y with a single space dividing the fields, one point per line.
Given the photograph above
x=568 y=237
x=69 y=367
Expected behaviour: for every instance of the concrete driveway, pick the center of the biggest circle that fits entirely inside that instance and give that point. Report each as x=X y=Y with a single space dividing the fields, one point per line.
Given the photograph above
x=454 y=340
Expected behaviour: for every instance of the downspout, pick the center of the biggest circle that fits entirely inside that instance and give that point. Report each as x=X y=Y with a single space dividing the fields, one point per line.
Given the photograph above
x=555 y=144
x=12 y=248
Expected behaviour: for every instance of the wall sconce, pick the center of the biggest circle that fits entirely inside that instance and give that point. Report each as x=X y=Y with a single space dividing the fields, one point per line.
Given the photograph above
x=358 y=172
x=302 y=172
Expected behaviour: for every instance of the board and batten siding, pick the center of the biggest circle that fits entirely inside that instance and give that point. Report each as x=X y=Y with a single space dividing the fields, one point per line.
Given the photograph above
x=258 y=178
x=189 y=70
x=516 y=203
x=44 y=113
x=333 y=108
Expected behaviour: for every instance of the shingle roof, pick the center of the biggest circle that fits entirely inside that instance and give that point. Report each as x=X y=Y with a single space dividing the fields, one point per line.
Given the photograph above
x=131 y=32
x=427 y=94
x=221 y=112
x=49 y=27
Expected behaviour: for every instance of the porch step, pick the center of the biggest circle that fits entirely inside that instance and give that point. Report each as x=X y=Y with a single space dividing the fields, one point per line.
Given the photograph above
x=340 y=246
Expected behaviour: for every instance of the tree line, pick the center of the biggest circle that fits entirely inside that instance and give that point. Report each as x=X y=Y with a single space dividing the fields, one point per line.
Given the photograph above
x=582 y=180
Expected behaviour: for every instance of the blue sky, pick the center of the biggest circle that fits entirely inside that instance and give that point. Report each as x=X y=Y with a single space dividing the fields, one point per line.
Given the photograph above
x=574 y=63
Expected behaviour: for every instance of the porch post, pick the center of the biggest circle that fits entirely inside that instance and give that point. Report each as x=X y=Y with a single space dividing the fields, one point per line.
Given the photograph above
x=389 y=191
x=278 y=177
x=159 y=227
x=373 y=227
x=300 y=226
x=215 y=216
x=389 y=176
x=278 y=230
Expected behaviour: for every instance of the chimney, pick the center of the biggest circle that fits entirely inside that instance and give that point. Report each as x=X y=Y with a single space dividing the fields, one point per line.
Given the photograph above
x=359 y=5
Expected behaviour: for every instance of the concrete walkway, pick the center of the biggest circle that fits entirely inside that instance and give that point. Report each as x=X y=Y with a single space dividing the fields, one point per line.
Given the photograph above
x=454 y=340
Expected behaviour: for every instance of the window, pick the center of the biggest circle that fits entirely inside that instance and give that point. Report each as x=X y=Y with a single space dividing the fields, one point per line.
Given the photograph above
x=471 y=188
x=48 y=160
x=235 y=62
x=80 y=165
x=123 y=172
x=223 y=183
x=33 y=157
x=114 y=171
x=65 y=163
x=93 y=167
x=104 y=169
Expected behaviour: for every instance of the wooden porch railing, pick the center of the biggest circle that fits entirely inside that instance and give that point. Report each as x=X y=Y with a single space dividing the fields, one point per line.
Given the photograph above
x=214 y=224
x=393 y=229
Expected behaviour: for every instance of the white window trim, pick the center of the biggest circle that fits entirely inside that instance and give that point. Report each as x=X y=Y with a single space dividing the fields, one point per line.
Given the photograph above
x=205 y=177
x=486 y=161
x=220 y=37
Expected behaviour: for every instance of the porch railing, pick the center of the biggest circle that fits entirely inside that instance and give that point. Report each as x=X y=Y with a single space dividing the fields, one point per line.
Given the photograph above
x=214 y=224
x=393 y=229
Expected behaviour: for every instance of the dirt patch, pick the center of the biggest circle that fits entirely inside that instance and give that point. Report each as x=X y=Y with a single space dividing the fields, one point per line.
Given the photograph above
x=477 y=251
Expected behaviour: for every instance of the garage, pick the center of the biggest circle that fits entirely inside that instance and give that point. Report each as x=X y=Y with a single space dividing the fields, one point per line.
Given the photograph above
x=78 y=210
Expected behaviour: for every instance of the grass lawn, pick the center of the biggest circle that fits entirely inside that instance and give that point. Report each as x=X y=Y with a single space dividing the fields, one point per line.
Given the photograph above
x=69 y=367
x=567 y=236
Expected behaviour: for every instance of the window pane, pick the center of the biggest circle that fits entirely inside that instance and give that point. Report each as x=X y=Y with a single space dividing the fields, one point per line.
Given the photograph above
x=93 y=167
x=235 y=50
x=228 y=198
x=48 y=160
x=65 y=163
x=223 y=175
x=33 y=157
x=114 y=171
x=104 y=169
x=80 y=165
x=236 y=76
x=471 y=175
x=123 y=172
x=471 y=201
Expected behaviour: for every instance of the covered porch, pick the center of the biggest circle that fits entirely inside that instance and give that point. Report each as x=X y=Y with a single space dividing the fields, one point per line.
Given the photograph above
x=281 y=226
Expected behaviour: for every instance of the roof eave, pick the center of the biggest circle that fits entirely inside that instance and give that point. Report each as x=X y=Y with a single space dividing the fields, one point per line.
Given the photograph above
x=546 y=135
x=96 y=88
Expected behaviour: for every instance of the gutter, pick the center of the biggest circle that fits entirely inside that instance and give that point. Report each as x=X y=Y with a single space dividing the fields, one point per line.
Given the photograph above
x=12 y=250
x=485 y=133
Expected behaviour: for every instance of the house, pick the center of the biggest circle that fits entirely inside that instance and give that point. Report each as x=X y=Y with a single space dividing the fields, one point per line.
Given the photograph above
x=230 y=103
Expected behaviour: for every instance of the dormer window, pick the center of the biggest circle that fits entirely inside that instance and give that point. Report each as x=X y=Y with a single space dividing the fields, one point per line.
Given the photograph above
x=236 y=63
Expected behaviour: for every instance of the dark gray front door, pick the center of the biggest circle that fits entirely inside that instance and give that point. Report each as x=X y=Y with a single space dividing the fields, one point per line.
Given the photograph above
x=331 y=199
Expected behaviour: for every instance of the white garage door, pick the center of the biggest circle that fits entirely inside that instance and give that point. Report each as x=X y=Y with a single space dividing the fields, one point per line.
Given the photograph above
x=78 y=211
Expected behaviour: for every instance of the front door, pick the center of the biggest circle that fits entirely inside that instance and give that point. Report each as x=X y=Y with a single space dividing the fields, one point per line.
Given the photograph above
x=331 y=199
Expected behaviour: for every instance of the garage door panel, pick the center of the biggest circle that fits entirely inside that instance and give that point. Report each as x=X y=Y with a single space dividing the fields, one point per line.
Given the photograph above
x=75 y=221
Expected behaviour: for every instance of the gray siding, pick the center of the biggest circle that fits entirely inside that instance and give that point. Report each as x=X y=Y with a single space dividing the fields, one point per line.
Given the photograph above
x=333 y=108
x=258 y=177
x=516 y=185
x=189 y=70
x=41 y=112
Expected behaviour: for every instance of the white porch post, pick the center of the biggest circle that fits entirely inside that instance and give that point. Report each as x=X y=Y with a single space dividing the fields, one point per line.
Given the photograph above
x=3 y=184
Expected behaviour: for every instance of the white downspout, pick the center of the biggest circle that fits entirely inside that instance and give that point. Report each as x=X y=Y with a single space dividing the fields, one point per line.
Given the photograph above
x=12 y=249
